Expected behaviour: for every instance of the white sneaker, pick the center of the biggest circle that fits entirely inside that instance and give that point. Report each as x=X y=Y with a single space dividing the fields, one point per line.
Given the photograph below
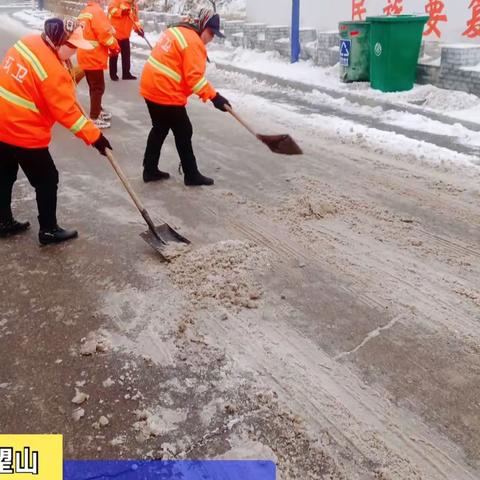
x=104 y=115
x=101 y=123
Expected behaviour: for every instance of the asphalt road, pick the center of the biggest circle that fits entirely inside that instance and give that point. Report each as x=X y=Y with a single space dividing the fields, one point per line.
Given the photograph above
x=327 y=316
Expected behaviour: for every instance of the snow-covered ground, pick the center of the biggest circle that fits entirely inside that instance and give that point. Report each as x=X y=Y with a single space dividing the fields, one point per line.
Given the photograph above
x=352 y=132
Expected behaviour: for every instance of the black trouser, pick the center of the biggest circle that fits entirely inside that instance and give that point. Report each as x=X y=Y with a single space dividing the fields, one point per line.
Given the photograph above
x=125 y=51
x=164 y=119
x=96 y=84
x=38 y=166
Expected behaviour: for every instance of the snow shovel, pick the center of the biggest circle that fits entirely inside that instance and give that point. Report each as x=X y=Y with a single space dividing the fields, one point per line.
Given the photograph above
x=283 y=144
x=158 y=237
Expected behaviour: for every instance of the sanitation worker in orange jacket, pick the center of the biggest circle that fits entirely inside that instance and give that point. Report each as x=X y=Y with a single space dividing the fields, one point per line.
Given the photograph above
x=36 y=91
x=123 y=15
x=99 y=32
x=175 y=70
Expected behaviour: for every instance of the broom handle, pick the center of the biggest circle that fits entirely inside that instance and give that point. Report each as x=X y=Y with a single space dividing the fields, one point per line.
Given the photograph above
x=240 y=120
x=130 y=190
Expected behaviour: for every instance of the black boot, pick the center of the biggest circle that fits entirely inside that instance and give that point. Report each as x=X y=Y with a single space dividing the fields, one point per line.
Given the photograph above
x=12 y=227
x=56 y=235
x=129 y=76
x=155 y=176
x=197 y=179
x=114 y=77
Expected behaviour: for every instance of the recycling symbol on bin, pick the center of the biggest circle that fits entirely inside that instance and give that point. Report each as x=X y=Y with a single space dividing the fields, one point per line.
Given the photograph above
x=378 y=49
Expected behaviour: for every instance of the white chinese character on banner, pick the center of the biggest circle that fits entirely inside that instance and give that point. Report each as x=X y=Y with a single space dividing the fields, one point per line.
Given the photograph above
x=25 y=466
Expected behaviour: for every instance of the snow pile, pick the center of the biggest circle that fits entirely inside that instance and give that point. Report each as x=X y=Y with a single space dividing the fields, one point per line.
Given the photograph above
x=173 y=250
x=308 y=206
x=272 y=63
x=437 y=98
x=397 y=144
x=451 y=102
x=412 y=121
x=222 y=272
x=425 y=124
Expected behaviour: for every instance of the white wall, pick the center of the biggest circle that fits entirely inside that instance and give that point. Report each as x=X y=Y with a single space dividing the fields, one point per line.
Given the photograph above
x=325 y=14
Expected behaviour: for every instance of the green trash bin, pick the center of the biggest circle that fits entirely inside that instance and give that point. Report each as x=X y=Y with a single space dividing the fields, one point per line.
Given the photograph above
x=354 y=51
x=395 y=43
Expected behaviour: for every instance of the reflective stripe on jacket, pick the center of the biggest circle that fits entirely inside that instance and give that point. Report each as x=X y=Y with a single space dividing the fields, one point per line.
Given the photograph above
x=123 y=15
x=176 y=69
x=36 y=91
x=99 y=32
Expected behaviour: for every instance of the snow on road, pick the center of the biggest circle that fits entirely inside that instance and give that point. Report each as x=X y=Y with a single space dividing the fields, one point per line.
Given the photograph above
x=347 y=131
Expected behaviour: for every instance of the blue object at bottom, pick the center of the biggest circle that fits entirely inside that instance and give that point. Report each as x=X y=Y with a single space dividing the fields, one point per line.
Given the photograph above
x=169 y=470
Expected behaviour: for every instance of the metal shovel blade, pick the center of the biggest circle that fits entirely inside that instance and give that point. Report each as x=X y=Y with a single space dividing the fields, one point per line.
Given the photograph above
x=165 y=237
x=283 y=144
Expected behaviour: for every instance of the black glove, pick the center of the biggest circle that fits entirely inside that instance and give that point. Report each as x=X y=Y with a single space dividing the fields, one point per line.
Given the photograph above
x=102 y=144
x=220 y=102
x=141 y=32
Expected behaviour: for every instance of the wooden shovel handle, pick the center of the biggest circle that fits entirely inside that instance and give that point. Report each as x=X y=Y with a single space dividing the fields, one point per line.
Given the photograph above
x=240 y=120
x=132 y=193
x=124 y=180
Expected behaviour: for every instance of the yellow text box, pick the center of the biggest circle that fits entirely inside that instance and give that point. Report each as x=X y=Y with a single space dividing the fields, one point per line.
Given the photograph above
x=38 y=457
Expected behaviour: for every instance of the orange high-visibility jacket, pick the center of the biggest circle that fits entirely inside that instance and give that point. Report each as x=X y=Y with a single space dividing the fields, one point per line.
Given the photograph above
x=99 y=32
x=36 y=91
x=176 y=69
x=123 y=15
